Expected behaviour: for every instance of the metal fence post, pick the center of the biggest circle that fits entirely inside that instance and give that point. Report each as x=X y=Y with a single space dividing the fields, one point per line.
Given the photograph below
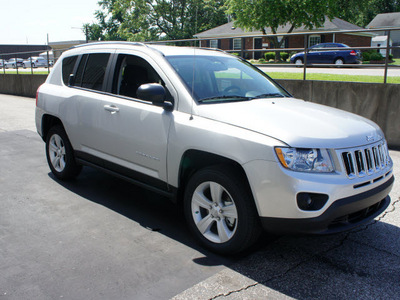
x=16 y=64
x=305 y=56
x=48 y=62
x=30 y=58
x=387 y=57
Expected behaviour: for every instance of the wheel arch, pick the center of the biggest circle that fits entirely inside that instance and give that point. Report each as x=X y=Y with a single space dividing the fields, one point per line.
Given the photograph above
x=194 y=160
x=48 y=121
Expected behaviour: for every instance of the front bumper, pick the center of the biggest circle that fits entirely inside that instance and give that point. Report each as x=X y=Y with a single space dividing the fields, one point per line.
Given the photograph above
x=343 y=214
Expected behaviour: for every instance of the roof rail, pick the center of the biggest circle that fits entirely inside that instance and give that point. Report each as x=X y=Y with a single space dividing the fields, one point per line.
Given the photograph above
x=110 y=43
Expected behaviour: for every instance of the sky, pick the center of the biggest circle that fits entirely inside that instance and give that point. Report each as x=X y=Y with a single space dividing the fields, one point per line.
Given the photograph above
x=30 y=21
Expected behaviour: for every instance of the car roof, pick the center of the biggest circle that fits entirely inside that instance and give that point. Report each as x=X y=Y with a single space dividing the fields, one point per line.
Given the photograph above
x=162 y=49
x=331 y=44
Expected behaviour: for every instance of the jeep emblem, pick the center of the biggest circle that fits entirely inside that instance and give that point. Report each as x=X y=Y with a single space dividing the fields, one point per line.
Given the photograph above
x=370 y=138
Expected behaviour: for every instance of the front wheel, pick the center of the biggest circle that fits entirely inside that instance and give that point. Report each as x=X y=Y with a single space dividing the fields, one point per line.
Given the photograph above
x=59 y=154
x=298 y=62
x=220 y=211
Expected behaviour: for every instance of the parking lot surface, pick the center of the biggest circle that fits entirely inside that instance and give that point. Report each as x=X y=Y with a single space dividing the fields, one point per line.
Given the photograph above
x=101 y=238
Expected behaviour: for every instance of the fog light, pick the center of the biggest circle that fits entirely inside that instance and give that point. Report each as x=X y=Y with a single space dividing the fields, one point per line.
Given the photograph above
x=311 y=201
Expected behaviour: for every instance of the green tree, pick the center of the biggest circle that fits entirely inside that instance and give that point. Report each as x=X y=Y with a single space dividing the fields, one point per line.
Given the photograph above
x=263 y=14
x=143 y=20
x=361 y=12
x=352 y=10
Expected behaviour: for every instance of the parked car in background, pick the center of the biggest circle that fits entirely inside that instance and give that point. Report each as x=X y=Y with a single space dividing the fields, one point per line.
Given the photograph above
x=35 y=62
x=324 y=54
x=2 y=61
x=13 y=62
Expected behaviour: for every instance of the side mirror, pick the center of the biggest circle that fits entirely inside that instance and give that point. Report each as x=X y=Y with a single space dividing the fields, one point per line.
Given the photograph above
x=155 y=93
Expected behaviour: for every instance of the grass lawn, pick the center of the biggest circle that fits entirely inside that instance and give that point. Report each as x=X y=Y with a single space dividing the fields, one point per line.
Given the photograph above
x=24 y=71
x=333 y=77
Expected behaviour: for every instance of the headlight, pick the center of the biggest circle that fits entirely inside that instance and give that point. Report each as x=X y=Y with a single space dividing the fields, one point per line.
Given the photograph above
x=305 y=160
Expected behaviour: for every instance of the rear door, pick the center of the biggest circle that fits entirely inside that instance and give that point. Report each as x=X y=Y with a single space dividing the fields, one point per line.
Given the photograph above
x=314 y=54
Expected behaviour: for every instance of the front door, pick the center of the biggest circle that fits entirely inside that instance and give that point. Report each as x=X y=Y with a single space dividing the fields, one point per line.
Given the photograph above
x=257 y=45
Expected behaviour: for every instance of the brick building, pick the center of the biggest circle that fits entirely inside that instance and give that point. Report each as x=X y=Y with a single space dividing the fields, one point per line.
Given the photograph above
x=228 y=37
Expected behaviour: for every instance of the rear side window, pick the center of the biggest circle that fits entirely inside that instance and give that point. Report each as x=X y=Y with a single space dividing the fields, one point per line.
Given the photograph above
x=91 y=71
x=68 y=67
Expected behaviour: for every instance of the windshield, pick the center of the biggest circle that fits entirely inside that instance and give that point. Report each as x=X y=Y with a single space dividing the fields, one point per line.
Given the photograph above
x=215 y=79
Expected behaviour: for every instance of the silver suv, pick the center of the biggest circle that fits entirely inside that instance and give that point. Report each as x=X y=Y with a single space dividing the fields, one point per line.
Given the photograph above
x=217 y=136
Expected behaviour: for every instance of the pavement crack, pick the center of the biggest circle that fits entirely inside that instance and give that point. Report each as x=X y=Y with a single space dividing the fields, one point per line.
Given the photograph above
x=319 y=255
x=236 y=291
x=278 y=276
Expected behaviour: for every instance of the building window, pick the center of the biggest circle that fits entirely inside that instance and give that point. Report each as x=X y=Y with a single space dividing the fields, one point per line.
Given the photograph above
x=283 y=45
x=237 y=44
x=213 y=43
x=313 y=40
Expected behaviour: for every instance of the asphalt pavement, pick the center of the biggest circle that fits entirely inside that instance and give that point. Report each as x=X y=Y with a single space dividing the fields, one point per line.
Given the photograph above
x=101 y=238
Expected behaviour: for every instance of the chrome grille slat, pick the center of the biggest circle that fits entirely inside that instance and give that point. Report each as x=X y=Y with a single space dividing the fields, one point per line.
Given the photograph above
x=365 y=161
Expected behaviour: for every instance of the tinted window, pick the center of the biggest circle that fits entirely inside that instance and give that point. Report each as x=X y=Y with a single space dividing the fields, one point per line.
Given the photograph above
x=81 y=68
x=218 y=79
x=68 y=67
x=131 y=72
x=91 y=71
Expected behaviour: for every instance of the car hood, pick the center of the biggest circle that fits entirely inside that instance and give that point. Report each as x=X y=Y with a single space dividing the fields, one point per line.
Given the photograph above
x=296 y=122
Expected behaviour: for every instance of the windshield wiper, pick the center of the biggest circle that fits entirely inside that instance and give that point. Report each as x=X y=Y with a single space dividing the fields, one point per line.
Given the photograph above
x=232 y=98
x=269 y=95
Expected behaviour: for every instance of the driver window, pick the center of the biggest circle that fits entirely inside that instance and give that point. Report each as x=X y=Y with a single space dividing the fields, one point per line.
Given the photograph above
x=131 y=72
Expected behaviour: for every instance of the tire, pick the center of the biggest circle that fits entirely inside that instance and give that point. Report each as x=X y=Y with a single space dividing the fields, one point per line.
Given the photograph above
x=339 y=61
x=60 y=155
x=220 y=210
x=298 y=62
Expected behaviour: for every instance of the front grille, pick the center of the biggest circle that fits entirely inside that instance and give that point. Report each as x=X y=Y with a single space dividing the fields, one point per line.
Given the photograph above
x=366 y=161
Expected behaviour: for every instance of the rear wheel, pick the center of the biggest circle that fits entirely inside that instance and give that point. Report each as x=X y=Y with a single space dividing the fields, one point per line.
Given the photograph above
x=220 y=211
x=59 y=154
x=339 y=61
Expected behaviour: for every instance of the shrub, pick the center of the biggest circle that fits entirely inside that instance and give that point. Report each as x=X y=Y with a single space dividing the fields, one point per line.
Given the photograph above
x=376 y=56
x=269 y=55
x=235 y=53
x=261 y=61
x=366 y=56
x=284 y=56
x=390 y=56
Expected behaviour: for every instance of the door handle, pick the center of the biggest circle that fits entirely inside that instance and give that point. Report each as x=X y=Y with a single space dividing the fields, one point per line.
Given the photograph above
x=111 y=108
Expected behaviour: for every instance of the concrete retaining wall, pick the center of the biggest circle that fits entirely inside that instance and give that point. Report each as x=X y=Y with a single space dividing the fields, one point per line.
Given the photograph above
x=377 y=102
x=20 y=85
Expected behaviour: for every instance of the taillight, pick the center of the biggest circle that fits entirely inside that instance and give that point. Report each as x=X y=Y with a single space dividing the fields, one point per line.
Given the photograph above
x=352 y=52
x=37 y=94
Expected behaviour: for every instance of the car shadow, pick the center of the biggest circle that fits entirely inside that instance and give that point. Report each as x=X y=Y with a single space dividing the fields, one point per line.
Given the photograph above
x=363 y=263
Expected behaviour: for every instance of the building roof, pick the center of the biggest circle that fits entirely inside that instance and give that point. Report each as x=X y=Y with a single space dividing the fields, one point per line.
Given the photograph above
x=385 y=20
x=229 y=29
